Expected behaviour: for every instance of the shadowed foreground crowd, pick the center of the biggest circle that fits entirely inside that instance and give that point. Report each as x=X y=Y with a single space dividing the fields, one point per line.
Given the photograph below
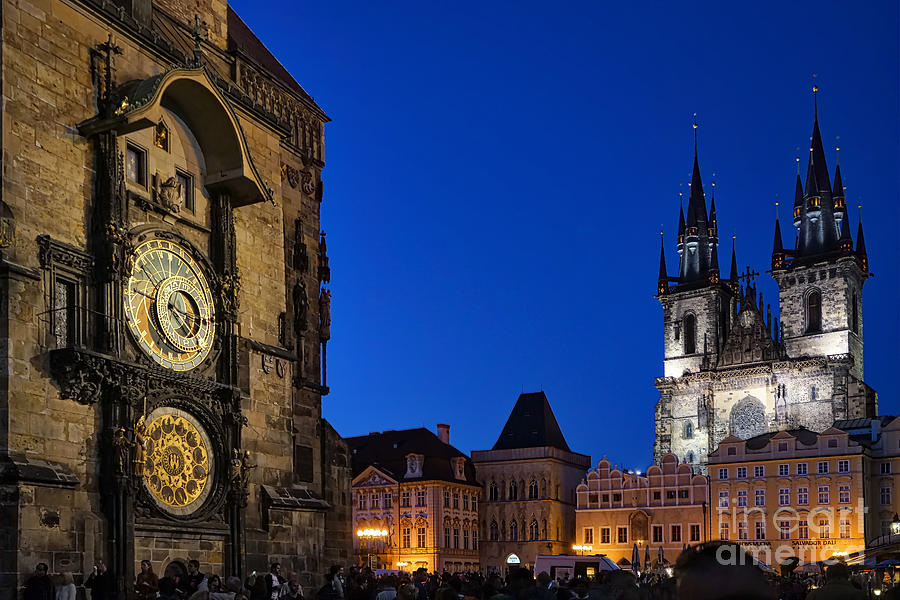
x=714 y=571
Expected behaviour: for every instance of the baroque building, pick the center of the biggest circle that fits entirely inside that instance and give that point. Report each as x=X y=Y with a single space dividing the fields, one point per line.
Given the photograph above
x=730 y=366
x=416 y=501
x=529 y=479
x=659 y=511
x=163 y=308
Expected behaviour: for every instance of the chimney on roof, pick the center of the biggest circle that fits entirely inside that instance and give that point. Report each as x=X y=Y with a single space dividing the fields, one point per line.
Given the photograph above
x=876 y=429
x=444 y=433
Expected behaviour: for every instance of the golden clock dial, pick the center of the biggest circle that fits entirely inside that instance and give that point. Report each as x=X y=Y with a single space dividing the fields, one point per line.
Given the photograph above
x=169 y=306
x=177 y=464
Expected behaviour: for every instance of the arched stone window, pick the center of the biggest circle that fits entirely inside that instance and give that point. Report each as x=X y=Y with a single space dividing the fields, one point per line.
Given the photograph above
x=533 y=531
x=533 y=490
x=543 y=529
x=854 y=312
x=493 y=492
x=513 y=531
x=813 y=311
x=688 y=430
x=690 y=334
x=748 y=418
x=513 y=491
x=689 y=457
x=495 y=531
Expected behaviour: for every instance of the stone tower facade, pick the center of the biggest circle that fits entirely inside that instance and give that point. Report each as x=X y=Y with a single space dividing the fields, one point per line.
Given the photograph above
x=730 y=368
x=163 y=309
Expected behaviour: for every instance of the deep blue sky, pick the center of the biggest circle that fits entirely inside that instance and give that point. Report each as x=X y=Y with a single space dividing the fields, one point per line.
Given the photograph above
x=497 y=174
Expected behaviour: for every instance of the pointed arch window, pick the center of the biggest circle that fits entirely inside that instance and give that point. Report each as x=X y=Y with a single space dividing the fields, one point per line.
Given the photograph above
x=854 y=312
x=689 y=458
x=690 y=334
x=533 y=530
x=493 y=492
x=814 y=312
x=513 y=531
x=543 y=529
x=495 y=531
x=533 y=490
x=688 y=430
x=513 y=491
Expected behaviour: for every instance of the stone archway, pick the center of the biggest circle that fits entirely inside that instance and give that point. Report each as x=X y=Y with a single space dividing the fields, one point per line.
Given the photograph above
x=748 y=418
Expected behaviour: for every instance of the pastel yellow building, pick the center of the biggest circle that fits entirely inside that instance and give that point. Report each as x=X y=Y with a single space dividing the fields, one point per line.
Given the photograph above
x=415 y=501
x=791 y=493
x=665 y=508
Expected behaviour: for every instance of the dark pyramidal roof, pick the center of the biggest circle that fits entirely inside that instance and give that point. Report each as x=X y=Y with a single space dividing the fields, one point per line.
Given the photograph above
x=387 y=451
x=531 y=424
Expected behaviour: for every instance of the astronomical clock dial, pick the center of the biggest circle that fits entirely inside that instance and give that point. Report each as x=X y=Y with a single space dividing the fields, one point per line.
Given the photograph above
x=178 y=464
x=169 y=306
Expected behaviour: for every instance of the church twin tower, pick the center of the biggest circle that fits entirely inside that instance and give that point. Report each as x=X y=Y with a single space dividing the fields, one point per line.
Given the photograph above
x=731 y=368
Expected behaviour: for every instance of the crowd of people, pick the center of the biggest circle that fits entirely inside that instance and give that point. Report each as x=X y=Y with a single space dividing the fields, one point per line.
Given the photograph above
x=714 y=571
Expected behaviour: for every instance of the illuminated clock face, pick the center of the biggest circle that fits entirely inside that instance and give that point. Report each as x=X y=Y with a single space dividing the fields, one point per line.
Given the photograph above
x=169 y=306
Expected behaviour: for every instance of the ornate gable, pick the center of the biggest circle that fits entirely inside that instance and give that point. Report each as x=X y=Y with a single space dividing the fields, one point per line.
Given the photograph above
x=373 y=477
x=750 y=339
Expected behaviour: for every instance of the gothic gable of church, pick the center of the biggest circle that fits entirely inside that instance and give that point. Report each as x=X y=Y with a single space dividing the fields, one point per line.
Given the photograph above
x=750 y=339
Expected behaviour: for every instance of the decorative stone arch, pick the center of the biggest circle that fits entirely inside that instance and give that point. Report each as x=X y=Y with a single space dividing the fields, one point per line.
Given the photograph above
x=748 y=418
x=812 y=310
x=193 y=96
x=639 y=525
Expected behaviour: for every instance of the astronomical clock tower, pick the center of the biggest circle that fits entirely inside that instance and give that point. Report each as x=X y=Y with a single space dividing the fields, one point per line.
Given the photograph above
x=165 y=310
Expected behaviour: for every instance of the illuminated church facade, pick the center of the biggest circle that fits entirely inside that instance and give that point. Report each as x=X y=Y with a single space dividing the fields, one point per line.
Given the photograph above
x=730 y=366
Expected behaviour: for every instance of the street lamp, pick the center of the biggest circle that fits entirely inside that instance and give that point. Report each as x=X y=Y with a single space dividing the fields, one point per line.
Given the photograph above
x=401 y=564
x=368 y=535
x=582 y=548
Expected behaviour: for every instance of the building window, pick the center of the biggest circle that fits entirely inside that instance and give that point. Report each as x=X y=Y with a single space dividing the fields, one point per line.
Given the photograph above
x=782 y=446
x=447 y=535
x=657 y=495
x=420 y=537
x=493 y=496
x=362 y=502
x=420 y=497
x=885 y=495
x=622 y=535
x=683 y=494
x=474 y=503
x=854 y=311
x=465 y=539
x=513 y=531
x=495 y=532
x=723 y=499
x=760 y=499
x=802 y=530
x=885 y=468
x=741 y=473
x=723 y=473
x=135 y=164
x=760 y=530
x=695 y=533
x=475 y=539
x=185 y=190
x=803 y=496
x=533 y=490
x=845 y=527
x=465 y=502
x=813 y=312
x=801 y=469
x=844 y=494
x=689 y=457
x=732 y=451
x=784 y=496
x=690 y=334
x=455 y=499
x=784 y=470
x=832 y=443
x=388 y=500
x=404 y=499
x=822 y=467
x=723 y=530
x=670 y=494
x=742 y=530
x=742 y=498
x=824 y=493
x=375 y=499
x=675 y=531
x=404 y=540
x=588 y=535
x=513 y=491
x=617 y=497
x=843 y=466
x=605 y=498
x=784 y=530
x=824 y=529
x=604 y=535
x=688 y=430
x=534 y=531
x=446 y=499
x=456 y=538
x=759 y=471
x=658 y=533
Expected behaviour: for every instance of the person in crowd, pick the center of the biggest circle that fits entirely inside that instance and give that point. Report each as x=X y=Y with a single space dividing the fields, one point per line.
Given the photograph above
x=274 y=581
x=39 y=586
x=214 y=584
x=259 y=589
x=336 y=576
x=837 y=585
x=146 y=583
x=194 y=581
x=168 y=589
x=101 y=583
x=408 y=592
x=294 y=591
x=66 y=589
x=388 y=588
x=719 y=570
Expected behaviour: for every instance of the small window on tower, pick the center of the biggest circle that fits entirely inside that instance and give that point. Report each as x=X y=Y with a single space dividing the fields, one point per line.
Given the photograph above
x=814 y=312
x=690 y=341
x=854 y=312
x=135 y=164
x=688 y=430
x=185 y=190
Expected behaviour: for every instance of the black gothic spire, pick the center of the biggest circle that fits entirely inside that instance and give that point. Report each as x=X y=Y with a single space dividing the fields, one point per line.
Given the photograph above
x=697 y=246
x=777 y=246
x=861 y=246
x=663 y=282
x=846 y=243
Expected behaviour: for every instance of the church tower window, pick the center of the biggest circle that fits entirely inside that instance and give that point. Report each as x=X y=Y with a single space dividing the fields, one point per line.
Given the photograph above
x=688 y=430
x=814 y=312
x=690 y=334
x=533 y=490
x=854 y=312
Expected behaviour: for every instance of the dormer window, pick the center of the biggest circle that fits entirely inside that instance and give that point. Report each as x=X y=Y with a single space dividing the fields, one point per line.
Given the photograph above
x=135 y=164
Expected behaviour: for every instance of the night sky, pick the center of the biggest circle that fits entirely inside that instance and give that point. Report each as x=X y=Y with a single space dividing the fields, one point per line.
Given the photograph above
x=497 y=174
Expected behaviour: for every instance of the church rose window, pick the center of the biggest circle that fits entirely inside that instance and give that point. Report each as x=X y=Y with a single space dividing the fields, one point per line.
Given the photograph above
x=748 y=418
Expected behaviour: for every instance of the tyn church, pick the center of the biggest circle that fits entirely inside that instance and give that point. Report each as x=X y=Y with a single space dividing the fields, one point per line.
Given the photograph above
x=731 y=368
